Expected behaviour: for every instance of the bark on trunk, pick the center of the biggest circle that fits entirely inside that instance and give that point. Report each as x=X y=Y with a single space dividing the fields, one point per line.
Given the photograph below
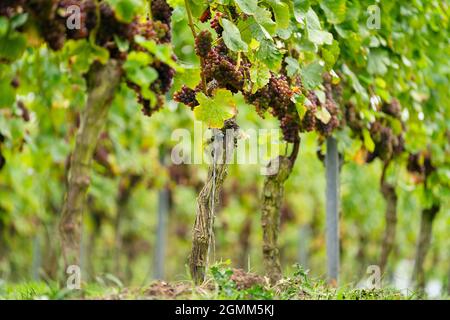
x=390 y=196
x=423 y=245
x=102 y=83
x=204 y=220
x=272 y=198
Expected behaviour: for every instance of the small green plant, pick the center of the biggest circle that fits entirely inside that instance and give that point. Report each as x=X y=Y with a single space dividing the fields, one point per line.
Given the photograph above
x=228 y=288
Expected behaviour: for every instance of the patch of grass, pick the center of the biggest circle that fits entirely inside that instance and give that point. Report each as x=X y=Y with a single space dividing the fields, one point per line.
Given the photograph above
x=223 y=282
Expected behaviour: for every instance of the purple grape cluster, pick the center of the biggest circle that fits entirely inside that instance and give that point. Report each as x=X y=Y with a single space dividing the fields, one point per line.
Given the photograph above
x=186 y=96
x=203 y=43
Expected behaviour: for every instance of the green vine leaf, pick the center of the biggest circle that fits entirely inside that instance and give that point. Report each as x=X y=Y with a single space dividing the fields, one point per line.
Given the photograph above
x=259 y=75
x=247 y=6
x=335 y=10
x=315 y=33
x=125 y=9
x=368 y=142
x=292 y=66
x=214 y=111
x=232 y=37
x=312 y=75
x=264 y=17
x=138 y=71
x=300 y=9
x=12 y=46
x=269 y=54
x=300 y=101
x=282 y=16
x=330 y=54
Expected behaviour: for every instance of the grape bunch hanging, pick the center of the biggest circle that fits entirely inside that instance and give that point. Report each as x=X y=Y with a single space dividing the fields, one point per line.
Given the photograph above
x=222 y=68
x=388 y=144
x=420 y=164
x=98 y=19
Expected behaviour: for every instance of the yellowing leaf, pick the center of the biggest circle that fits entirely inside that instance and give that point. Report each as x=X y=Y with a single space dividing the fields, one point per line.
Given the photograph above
x=214 y=111
x=368 y=142
x=323 y=115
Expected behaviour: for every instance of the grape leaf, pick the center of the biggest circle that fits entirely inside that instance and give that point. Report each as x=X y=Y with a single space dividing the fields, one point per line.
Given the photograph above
x=269 y=54
x=259 y=75
x=264 y=17
x=7 y=95
x=335 y=10
x=139 y=72
x=299 y=101
x=355 y=82
x=125 y=10
x=214 y=111
x=315 y=33
x=323 y=115
x=12 y=46
x=300 y=9
x=292 y=66
x=18 y=20
x=247 y=6
x=232 y=37
x=281 y=11
x=377 y=62
x=250 y=29
x=330 y=54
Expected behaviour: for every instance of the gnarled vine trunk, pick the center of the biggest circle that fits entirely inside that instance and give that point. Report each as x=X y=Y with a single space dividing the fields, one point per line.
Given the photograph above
x=272 y=198
x=102 y=83
x=208 y=197
x=390 y=196
x=423 y=245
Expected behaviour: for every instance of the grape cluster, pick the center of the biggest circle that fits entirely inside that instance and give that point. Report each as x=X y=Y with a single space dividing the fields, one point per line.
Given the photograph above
x=159 y=30
x=206 y=15
x=9 y=8
x=275 y=97
x=88 y=17
x=215 y=23
x=203 y=43
x=309 y=121
x=162 y=14
x=325 y=129
x=221 y=68
x=51 y=17
x=393 y=108
x=161 y=11
x=420 y=163
x=187 y=96
x=290 y=127
x=15 y=82
x=387 y=144
x=352 y=118
x=165 y=77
